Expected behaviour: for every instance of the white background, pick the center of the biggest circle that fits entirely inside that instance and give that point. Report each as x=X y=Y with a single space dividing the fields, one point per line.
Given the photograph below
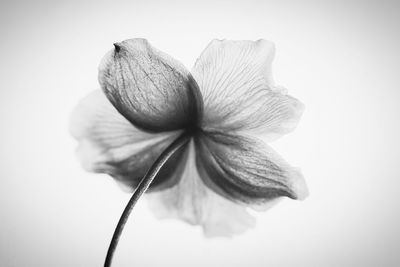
x=340 y=58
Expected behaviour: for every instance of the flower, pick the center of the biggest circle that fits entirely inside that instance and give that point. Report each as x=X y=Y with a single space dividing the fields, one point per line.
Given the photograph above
x=228 y=103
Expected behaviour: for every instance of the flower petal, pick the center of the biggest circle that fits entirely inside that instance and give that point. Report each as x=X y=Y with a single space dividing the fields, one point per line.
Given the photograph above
x=108 y=143
x=235 y=79
x=149 y=88
x=245 y=170
x=193 y=202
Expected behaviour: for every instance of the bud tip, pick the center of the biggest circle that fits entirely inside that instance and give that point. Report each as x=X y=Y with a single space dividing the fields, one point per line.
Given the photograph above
x=117 y=47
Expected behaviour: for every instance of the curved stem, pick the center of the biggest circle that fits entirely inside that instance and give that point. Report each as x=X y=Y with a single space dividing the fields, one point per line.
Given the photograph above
x=142 y=187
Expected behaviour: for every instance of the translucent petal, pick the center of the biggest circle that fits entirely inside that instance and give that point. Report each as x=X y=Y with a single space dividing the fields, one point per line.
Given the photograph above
x=235 y=79
x=108 y=143
x=152 y=90
x=193 y=202
x=245 y=170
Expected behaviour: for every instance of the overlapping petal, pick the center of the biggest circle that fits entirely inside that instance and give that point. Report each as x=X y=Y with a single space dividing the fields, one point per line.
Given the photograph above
x=235 y=79
x=195 y=203
x=152 y=90
x=108 y=143
x=246 y=170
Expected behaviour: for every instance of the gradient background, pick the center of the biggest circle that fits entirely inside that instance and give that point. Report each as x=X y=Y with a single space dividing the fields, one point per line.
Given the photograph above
x=341 y=58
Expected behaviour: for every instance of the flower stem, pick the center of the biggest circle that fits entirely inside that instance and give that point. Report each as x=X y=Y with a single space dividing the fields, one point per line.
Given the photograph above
x=142 y=187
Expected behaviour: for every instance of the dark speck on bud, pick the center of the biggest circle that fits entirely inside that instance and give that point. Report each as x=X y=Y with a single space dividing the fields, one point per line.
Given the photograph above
x=117 y=47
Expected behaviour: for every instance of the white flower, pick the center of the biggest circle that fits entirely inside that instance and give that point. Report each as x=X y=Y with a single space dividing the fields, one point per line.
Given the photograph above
x=227 y=100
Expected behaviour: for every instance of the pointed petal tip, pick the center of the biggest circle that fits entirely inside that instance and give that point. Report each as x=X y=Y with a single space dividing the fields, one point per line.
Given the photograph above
x=299 y=185
x=117 y=47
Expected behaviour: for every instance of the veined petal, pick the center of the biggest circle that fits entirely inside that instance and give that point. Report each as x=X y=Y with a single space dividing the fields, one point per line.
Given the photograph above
x=149 y=88
x=246 y=170
x=235 y=79
x=108 y=143
x=193 y=202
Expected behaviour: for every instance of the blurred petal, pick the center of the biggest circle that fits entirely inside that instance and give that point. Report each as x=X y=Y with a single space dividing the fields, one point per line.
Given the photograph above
x=108 y=143
x=236 y=83
x=149 y=88
x=245 y=170
x=193 y=202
